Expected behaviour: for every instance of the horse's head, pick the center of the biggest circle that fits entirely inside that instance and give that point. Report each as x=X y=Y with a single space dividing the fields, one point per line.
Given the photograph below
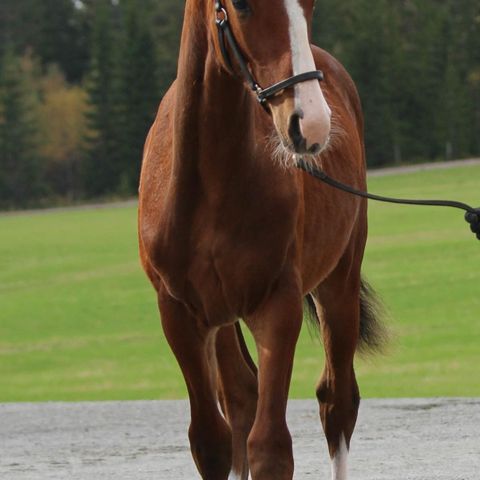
x=273 y=36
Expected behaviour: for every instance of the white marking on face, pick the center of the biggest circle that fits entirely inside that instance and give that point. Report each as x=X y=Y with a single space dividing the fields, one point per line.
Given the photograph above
x=302 y=58
x=339 y=461
x=309 y=97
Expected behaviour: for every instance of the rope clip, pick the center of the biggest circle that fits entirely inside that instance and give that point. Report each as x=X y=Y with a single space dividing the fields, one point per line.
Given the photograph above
x=473 y=218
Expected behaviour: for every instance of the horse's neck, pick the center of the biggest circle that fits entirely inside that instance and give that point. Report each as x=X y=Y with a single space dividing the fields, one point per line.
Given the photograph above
x=213 y=121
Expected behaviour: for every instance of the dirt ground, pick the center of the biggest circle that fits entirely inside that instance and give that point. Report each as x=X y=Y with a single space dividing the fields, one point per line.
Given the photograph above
x=427 y=439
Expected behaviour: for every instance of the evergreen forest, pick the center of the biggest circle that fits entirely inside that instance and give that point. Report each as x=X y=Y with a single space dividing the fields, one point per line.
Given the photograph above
x=81 y=80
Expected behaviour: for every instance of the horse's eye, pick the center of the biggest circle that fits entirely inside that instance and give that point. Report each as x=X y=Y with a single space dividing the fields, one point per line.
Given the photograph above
x=241 y=5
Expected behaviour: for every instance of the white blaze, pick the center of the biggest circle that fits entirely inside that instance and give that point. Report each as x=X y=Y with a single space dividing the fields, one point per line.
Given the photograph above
x=308 y=95
x=339 y=461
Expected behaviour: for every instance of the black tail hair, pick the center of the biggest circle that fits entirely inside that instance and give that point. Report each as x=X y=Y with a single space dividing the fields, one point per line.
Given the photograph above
x=311 y=315
x=373 y=335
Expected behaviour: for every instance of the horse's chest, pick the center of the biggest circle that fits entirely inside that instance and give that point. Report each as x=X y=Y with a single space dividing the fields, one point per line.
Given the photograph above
x=231 y=274
x=230 y=261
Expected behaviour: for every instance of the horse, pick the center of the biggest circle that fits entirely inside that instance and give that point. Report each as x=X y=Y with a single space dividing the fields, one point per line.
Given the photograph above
x=230 y=230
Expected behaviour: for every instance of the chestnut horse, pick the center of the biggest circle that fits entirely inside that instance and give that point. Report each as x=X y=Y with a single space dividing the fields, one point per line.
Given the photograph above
x=229 y=229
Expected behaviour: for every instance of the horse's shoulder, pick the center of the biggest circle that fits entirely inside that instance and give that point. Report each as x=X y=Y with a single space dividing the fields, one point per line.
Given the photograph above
x=157 y=153
x=158 y=134
x=166 y=105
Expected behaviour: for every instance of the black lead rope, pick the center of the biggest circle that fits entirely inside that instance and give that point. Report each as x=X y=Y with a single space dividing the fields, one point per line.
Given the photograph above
x=472 y=215
x=225 y=33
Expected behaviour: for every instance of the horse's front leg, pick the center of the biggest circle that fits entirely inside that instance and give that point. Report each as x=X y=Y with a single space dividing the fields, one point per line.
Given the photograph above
x=275 y=327
x=210 y=436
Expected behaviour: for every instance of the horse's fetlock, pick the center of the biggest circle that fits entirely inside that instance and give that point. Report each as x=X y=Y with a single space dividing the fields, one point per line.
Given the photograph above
x=322 y=392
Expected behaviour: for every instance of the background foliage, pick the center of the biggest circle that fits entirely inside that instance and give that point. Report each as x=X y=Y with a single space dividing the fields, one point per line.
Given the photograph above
x=80 y=82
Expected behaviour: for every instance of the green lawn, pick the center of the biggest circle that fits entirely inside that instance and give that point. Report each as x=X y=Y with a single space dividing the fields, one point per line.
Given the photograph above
x=78 y=319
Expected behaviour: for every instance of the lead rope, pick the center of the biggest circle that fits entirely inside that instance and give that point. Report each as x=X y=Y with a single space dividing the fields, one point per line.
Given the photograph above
x=472 y=215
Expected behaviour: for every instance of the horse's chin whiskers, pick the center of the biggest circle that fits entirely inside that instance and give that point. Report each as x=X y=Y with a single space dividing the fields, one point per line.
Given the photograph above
x=281 y=155
x=285 y=158
x=313 y=161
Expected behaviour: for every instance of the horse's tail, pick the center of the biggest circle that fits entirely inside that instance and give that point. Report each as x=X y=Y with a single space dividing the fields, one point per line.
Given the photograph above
x=373 y=335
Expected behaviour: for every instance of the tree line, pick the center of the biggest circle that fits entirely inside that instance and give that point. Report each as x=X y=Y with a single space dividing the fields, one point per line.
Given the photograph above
x=80 y=82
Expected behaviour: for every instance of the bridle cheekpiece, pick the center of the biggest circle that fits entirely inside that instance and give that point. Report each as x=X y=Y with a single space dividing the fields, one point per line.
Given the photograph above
x=225 y=35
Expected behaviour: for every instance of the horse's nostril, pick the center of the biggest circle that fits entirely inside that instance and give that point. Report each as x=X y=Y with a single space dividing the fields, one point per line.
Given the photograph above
x=295 y=133
x=315 y=149
x=294 y=128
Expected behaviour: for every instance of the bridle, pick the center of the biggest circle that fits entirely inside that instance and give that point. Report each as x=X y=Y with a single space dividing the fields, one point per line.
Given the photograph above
x=225 y=35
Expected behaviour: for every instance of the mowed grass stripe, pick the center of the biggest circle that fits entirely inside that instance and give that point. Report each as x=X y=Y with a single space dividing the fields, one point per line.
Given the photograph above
x=78 y=319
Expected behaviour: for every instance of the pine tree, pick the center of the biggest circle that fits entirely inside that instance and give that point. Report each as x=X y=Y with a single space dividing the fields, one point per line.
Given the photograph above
x=62 y=37
x=474 y=81
x=20 y=169
x=20 y=24
x=138 y=93
x=167 y=18
x=416 y=64
x=101 y=173
x=465 y=63
x=56 y=30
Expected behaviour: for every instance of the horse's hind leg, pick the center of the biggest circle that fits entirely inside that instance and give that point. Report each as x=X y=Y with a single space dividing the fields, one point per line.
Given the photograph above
x=237 y=385
x=210 y=437
x=337 y=392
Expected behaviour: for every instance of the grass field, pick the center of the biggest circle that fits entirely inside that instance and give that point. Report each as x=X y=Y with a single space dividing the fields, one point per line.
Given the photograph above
x=78 y=319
